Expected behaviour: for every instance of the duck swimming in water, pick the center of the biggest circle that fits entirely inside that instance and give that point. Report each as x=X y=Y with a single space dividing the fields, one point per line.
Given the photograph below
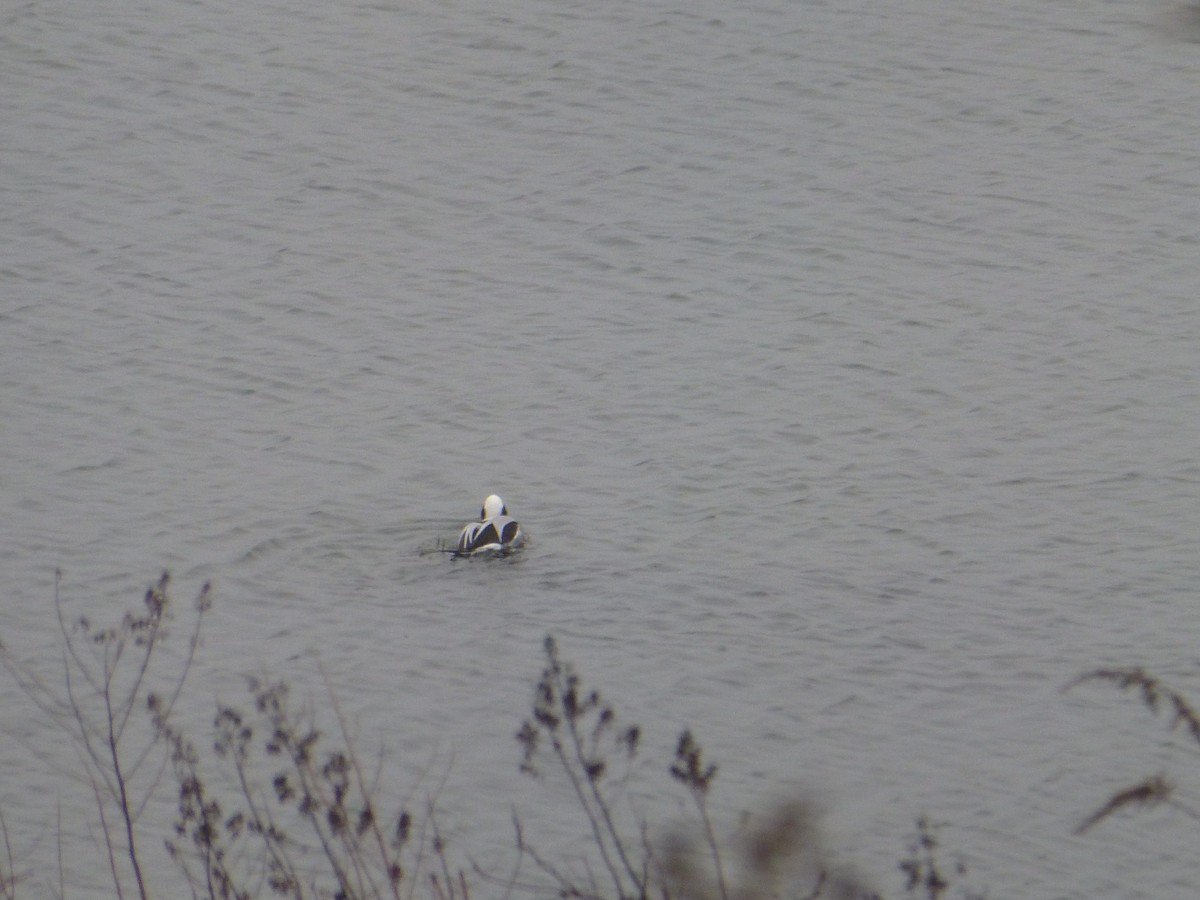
x=495 y=531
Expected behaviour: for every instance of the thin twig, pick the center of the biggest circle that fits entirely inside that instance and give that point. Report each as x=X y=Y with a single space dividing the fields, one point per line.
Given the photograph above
x=123 y=804
x=352 y=756
x=605 y=812
x=112 y=858
x=1151 y=792
x=8 y=880
x=62 y=883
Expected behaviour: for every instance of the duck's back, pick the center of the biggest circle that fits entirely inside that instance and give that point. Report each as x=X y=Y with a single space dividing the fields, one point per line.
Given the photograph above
x=495 y=533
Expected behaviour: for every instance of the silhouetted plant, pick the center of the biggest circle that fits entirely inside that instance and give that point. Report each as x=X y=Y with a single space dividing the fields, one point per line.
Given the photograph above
x=772 y=857
x=106 y=671
x=315 y=832
x=689 y=769
x=581 y=729
x=1153 y=790
x=200 y=823
x=925 y=876
x=8 y=878
x=280 y=808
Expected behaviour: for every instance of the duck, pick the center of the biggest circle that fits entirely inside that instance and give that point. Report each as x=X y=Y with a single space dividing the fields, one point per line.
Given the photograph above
x=495 y=531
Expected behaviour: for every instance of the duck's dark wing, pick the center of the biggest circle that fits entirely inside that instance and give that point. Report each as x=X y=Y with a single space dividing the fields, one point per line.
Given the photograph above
x=467 y=537
x=486 y=534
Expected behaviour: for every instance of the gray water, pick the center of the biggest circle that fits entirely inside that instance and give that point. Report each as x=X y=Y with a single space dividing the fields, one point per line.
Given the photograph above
x=839 y=359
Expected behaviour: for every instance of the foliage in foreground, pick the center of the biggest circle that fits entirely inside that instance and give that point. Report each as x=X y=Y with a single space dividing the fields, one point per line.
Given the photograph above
x=107 y=672
x=1151 y=790
x=579 y=733
x=277 y=807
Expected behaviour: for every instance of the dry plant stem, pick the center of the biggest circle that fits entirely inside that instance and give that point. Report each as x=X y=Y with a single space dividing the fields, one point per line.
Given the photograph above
x=711 y=838
x=62 y=881
x=1150 y=792
x=122 y=792
x=420 y=861
x=8 y=876
x=597 y=808
x=1154 y=790
x=200 y=813
x=439 y=847
x=261 y=816
x=356 y=768
x=1153 y=693
x=596 y=818
x=511 y=883
x=309 y=811
x=606 y=813
x=203 y=604
x=96 y=711
x=328 y=792
x=689 y=769
x=107 y=832
x=565 y=885
x=577 y=724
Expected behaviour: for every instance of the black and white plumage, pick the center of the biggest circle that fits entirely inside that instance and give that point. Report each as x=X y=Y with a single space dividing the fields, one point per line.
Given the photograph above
x=496 y=530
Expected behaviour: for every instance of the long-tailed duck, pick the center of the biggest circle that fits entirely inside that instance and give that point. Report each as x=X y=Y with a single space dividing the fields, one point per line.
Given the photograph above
x=495 y=530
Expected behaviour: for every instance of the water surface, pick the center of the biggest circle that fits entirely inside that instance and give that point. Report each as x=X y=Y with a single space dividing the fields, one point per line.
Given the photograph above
x=840 y=362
